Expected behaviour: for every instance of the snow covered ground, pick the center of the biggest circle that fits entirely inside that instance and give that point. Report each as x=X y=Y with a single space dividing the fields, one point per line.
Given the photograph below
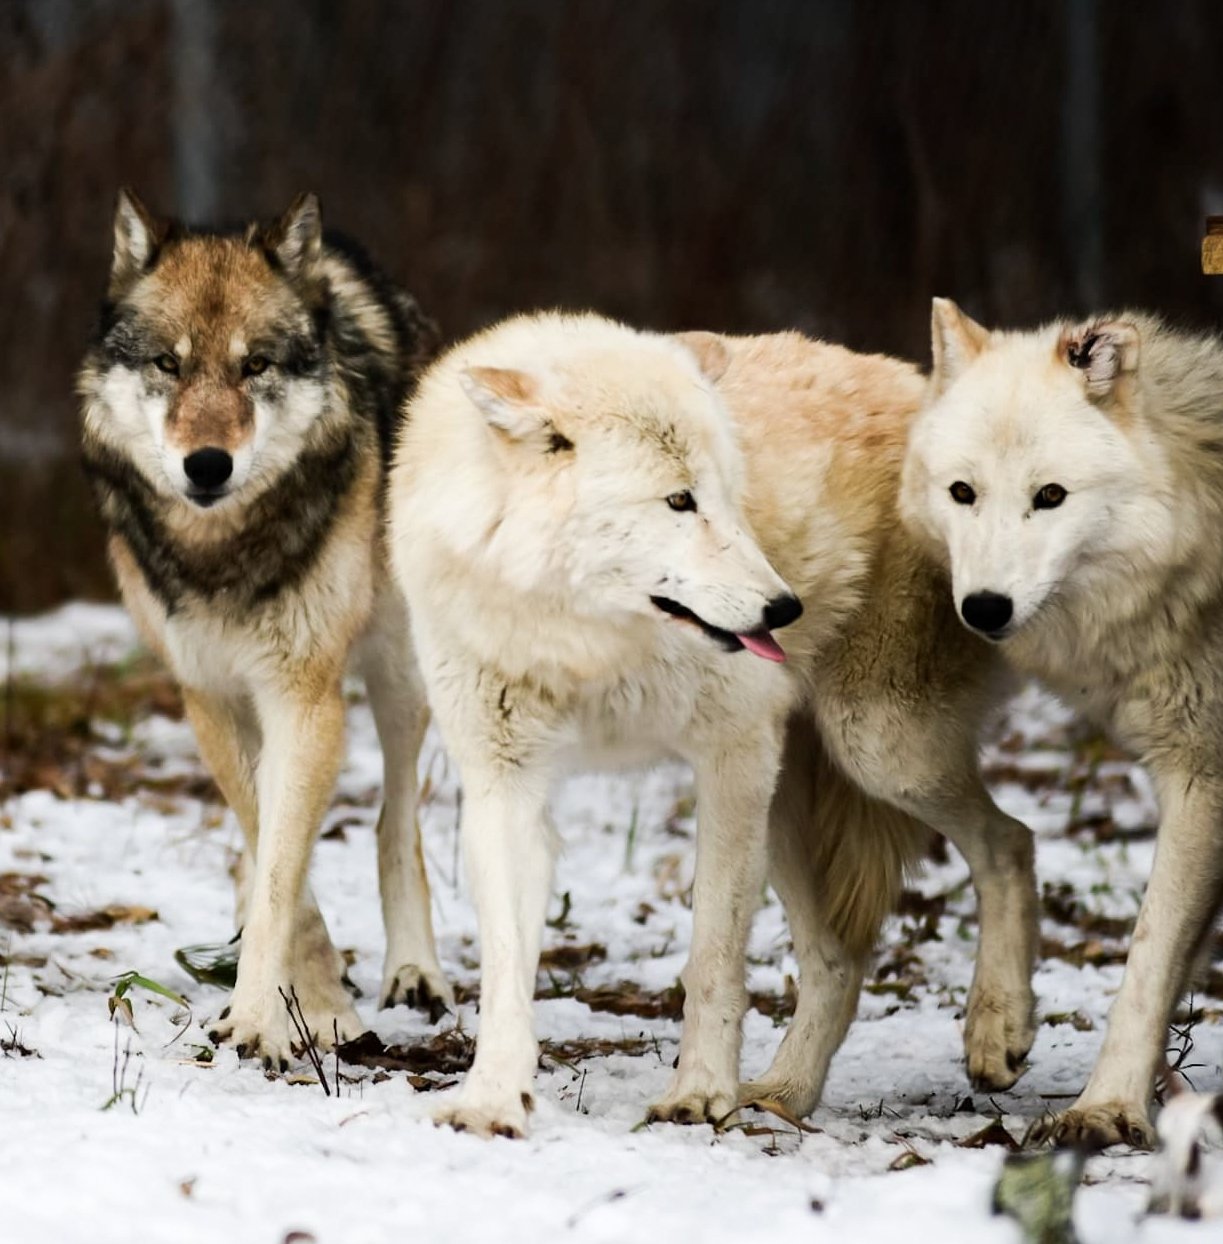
x=115 y=853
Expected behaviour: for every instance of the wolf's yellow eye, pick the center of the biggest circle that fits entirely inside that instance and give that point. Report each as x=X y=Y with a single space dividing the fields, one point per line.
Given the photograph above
x=1049 y=497
x=962 y=493
x=256 y=365
x=168 y=363
x=684 y=502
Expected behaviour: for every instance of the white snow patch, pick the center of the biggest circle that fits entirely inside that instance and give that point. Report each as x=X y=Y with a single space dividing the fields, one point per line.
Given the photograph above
x=222 y=1153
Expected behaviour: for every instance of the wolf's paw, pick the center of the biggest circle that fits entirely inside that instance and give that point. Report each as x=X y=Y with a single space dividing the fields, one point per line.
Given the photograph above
x=998 y=1033
x=693 y=1107
x=487 y=1117
x=260 y=1031
x=328 y=1017
x=326 y=1006
x=422 y=988
x=1094 y=1127
x=265 y=1030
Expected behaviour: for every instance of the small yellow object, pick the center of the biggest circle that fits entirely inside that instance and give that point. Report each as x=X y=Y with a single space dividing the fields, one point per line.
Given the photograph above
x=1212 y=247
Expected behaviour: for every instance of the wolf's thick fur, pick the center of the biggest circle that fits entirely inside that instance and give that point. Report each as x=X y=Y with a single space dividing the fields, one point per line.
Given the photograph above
x=1115 y=599
x=564 y=488
x=285 y=359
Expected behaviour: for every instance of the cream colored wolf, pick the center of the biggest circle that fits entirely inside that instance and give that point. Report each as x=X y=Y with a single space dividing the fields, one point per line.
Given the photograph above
x=1072 y=480
x=591 y=525
x=238 y=403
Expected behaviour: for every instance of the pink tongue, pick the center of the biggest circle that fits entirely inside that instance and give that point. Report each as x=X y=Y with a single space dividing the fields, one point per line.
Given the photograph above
x=763 y=645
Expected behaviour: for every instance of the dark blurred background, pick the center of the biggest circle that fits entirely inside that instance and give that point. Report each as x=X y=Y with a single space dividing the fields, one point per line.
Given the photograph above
x=744 y=165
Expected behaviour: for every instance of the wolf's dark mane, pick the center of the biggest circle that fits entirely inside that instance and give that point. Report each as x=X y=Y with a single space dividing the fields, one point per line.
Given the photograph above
x=275 y=549
x=417 y=340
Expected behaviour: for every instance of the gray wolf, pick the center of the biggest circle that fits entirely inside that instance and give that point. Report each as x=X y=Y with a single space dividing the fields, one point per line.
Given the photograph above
x=239 y=403
x=598 y=530
x=1071 y=479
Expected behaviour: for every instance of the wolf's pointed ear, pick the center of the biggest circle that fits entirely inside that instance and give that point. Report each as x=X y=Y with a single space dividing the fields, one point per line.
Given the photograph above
x=296 y=239
x=137 y=237
x=1103 y=350
x=712 y=356
x=509 y=400
x=955 y=340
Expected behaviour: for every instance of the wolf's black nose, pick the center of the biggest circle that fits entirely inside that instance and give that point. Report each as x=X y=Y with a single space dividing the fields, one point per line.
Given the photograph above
x=208 y=468
x=987 y=611
x=781 y=611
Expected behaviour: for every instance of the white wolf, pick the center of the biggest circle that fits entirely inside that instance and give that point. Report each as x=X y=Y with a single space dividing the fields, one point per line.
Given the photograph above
x=589 y=538
x=1072 y=479
x=553 y=584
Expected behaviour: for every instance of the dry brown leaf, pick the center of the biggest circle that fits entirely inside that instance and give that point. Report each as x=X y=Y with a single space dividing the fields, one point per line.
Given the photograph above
x=992 y=1134
x=628 y=998
x=121 y=1008
x=568 y=956
x=908 y=1160
x=103 y=918
x=770 y=1105
x=23 y=912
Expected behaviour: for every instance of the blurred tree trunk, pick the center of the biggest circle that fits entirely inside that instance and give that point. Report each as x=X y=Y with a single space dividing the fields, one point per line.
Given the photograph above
x=1082 y=143
x=738 y=166
x=198 y=114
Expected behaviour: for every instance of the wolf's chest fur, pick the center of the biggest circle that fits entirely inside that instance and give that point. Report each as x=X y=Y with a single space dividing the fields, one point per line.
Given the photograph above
x=671 y=704
x=275 y=546
x=215 y=642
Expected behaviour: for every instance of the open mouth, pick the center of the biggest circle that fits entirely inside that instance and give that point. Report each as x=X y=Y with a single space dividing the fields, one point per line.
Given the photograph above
x=759 y=641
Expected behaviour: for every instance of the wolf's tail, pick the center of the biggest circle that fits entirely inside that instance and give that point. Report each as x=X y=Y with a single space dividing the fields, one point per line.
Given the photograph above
x=855 y=850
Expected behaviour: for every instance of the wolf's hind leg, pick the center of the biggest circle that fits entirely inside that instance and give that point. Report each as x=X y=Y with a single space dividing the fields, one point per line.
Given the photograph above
x=830 y=979
x=411 y=974
x=836 y=879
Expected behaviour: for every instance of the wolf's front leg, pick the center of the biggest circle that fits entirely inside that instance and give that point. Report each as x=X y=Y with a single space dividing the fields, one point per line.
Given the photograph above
x=999 y=1021
x=229 y=743
x=1181 y=899
x=228 y=740
x=303 y=741
x=932 y=774
x=508 y=851
x=734 y=789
